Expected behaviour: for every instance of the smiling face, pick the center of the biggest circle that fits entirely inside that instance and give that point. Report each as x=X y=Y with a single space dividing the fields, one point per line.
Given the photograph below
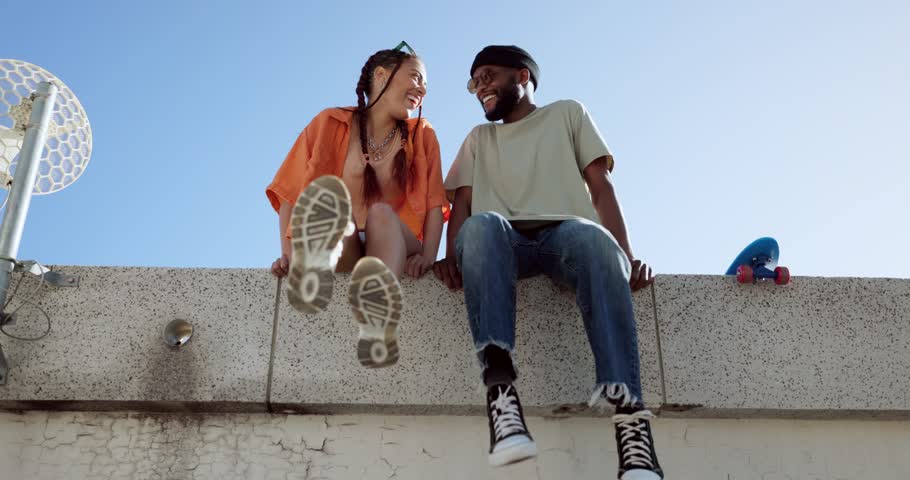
x=497 y=89
x=405 y=91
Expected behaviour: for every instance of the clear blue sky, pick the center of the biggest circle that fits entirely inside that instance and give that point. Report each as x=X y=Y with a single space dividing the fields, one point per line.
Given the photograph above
x=729 y=120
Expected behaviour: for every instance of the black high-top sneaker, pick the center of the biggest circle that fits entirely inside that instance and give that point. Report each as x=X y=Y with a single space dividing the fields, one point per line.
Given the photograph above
x=635 y=445
x=634 y=441
x=510 y=440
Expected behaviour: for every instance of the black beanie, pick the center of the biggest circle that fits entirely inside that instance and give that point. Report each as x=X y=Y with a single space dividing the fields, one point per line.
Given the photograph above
x=507 y=56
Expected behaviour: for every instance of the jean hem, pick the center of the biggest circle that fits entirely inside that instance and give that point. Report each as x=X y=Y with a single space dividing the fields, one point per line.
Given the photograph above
x=617 y=394
x=480 y=346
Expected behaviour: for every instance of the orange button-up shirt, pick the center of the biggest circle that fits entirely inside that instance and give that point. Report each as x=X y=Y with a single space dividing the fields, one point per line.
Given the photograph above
x=322 y=147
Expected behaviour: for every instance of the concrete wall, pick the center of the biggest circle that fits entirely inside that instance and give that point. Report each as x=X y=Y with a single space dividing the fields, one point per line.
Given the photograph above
x=83 y=446
x=709 y=348
x=106 y=343
x=728 y=367
x=820 y=346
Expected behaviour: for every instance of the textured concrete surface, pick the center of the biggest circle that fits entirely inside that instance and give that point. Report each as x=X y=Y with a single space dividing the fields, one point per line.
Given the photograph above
x=818 y=348
x=316 y=369
x=95 y=446
x=828 y=344
x=106 y=340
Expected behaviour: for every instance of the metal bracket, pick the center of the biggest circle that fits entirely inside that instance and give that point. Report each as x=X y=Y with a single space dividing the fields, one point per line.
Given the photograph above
x=21 y=113
x=52 y=278
x=61 y=280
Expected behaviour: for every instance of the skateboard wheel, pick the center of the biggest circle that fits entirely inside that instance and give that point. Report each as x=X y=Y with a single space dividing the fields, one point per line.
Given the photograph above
x=783 y=275
x=744 y=274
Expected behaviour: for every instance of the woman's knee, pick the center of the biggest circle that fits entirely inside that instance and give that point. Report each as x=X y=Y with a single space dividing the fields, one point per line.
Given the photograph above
x=381 y=215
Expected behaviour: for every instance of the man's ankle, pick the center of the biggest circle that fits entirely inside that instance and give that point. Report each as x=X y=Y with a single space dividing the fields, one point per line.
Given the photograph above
x=499 y=369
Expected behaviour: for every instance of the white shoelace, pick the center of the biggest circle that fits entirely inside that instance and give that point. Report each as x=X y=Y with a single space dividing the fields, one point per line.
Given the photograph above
x=634 y=440
x=506 y=416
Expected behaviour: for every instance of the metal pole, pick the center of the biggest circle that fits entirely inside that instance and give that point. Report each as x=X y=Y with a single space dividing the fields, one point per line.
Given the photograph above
x=20 y=194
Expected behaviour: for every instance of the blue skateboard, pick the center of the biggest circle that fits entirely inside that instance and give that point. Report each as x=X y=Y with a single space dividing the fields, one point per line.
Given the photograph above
x=758 y=261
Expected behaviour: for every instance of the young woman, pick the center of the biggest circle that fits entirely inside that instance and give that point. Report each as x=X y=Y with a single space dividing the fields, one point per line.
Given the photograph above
x=375 y=163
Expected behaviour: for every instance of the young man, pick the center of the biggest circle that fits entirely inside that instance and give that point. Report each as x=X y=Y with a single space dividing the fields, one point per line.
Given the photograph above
x=533 y=195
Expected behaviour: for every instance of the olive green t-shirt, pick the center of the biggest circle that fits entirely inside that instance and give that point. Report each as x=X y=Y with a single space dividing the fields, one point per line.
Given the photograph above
x=530 y=171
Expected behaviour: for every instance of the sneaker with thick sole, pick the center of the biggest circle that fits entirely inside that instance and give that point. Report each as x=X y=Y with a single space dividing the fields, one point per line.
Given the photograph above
x=635 y=445
x=510 y=441
x=375 y=297
x=320 y=220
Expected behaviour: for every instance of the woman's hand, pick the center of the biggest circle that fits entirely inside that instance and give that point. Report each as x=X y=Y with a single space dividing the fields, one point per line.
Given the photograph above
x=280 y=266
x=417 y=265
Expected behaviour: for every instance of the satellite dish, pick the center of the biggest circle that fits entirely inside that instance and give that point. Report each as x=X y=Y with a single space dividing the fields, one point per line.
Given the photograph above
x=68 y=146
x=45 y=145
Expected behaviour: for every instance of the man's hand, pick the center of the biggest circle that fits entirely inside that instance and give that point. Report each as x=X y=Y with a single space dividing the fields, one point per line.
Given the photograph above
x=641 y=275
x=417 y=265
x=447 y=271
x=280 y=266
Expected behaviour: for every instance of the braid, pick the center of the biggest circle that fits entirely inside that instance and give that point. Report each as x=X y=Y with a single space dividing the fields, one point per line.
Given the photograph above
x=412 y=171
x=372 y=190
x=401 y=158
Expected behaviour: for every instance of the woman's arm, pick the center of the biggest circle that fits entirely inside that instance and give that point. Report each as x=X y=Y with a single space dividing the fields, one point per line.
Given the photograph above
x=280 y=266
x=432 y=234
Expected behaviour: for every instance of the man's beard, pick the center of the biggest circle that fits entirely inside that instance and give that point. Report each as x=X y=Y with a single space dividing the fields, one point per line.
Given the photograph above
x=507 y=100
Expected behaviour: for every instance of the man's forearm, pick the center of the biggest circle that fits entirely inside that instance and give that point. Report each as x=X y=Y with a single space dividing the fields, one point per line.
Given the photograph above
x=611 y=217
x=461 y=210
x=456 y=220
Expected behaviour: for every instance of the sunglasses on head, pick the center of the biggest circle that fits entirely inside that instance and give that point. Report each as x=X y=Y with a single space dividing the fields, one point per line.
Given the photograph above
x=402 y=45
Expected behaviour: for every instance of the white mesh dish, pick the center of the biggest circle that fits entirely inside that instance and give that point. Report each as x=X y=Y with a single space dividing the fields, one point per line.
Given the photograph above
x=69 y=136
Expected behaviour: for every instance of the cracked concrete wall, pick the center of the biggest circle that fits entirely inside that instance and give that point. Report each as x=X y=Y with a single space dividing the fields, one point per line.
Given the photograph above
x=68 y=445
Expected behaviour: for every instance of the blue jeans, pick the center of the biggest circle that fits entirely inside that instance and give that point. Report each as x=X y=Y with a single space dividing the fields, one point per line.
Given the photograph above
x=579 y=254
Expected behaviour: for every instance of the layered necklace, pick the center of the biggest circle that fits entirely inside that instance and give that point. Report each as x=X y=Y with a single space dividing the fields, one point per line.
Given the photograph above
x=376 y=151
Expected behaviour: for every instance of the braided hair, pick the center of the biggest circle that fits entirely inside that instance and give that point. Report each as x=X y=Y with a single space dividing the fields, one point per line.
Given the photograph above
x=372 y=191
